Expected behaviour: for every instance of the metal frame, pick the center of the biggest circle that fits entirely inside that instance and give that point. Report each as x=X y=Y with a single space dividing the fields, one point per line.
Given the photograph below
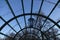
x=31 y=14
x=30 y=33
x=26 y=15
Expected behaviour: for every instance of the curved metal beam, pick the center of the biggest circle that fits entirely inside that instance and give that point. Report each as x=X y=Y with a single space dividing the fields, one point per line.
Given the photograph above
x=26 y=15
x=29 y=27
x=5 y=35
x=30 y=33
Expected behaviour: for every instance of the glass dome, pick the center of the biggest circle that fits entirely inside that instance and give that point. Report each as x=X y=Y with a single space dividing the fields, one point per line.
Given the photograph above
x=42 y=15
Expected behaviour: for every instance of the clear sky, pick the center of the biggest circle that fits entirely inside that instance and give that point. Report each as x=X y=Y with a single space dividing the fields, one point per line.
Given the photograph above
x=17 y=8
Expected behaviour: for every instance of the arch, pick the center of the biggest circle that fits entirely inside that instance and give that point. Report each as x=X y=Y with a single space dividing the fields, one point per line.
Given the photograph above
x=26 y=15
x=32 y=34
x=29 y=27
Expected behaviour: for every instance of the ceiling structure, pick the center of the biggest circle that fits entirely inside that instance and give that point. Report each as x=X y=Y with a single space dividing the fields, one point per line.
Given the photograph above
x=15 y=14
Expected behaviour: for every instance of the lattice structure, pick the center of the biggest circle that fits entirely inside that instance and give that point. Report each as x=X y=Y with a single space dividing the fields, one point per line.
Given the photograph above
x=30 y=29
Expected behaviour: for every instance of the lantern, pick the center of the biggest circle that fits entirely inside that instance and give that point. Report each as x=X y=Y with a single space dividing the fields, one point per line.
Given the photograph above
x=31 y=22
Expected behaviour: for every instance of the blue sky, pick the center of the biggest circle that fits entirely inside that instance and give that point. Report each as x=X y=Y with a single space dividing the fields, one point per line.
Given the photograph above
x=17 y=8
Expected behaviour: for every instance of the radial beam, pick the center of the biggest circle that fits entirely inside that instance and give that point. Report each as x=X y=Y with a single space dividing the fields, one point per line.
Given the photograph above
x=31 y=7
x=12 y=12
x=39 y=11
x=51 y=27
x=23 y=12
x=9 y=25
x=51 y=11
x=5 y=35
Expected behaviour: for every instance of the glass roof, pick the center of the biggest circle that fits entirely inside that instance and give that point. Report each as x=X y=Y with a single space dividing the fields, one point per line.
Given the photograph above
x=12 y=8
